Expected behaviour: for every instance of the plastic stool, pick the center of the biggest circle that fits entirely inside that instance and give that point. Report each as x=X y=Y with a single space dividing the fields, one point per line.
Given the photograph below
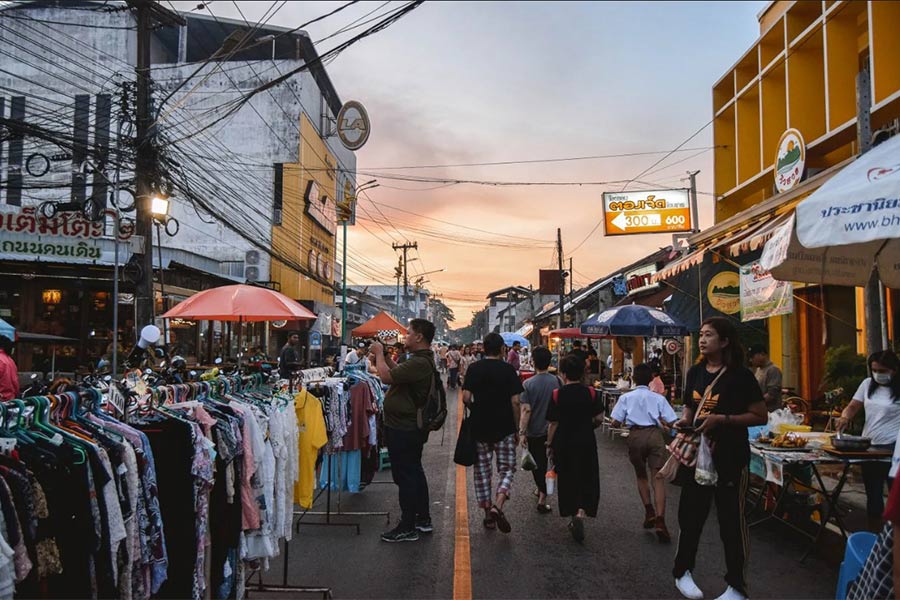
x=859 y=545
x=384 y=461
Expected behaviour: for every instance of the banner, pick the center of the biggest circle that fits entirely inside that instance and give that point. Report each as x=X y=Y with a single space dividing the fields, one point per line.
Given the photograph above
x=762 y=296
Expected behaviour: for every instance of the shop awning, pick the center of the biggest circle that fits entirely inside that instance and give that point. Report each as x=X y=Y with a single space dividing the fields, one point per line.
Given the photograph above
x=845 y=228
x=692 y=259
x=654 y=299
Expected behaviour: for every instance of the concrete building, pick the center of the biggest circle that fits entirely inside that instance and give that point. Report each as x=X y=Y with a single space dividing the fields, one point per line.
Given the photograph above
x=793 y=95
x=509 y=308
x=269 y=173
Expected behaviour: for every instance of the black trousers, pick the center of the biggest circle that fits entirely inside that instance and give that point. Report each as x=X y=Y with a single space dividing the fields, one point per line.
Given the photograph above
x=453 y=378
x=405 y=451
x=693 y=509
x=538 y=449
x=875 y=476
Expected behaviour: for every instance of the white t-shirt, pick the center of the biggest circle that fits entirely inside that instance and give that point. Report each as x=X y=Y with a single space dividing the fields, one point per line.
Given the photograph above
x=352 y=358
x=882 y=413
x=643 y=408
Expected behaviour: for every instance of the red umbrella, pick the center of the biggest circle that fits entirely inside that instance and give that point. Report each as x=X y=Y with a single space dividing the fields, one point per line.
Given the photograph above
x=243 y=303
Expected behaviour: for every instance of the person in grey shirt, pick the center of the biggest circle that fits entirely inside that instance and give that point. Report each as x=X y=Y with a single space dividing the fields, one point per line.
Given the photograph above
x=533 y=420
x=768 y=375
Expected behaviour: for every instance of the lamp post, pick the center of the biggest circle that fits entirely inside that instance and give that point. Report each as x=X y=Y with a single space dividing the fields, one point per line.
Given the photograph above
x=159 y=208
x=345 y=212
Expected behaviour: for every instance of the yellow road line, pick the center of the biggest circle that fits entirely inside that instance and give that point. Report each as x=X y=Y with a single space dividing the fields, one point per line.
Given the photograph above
x=462 y=565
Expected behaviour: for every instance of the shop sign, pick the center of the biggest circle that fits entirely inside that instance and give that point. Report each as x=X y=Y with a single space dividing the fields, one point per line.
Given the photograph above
x=640 y=279
x=620 y=286
x=790 y=158
x=38 y=247
x=69 y=224
x=549 y=281
x=661 y=211
x=724 y=292
x=353 y=125
x=762 y=296
x=317 y=207
x=315 y=340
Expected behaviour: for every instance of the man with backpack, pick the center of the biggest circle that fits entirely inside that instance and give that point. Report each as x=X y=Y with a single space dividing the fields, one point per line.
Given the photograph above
x=411 y=409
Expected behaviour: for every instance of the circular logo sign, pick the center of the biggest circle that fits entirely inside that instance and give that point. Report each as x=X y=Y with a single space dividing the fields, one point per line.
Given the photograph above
x=789 y=160
x=353 y=125
x=672 y=347
x=724 y=292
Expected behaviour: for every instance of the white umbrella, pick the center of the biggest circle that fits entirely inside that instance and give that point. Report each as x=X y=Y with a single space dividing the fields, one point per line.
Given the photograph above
x=846 y=228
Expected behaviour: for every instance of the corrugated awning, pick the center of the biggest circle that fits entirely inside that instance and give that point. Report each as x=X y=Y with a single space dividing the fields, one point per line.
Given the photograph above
x=654 y=299
x=675 y=267
x=755 y=238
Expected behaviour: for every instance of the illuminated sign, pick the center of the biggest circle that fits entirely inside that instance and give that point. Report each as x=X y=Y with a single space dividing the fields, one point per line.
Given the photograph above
x=660 y=211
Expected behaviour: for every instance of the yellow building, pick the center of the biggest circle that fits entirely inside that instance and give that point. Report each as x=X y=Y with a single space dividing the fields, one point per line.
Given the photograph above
x=800 y=74
x=307 y=232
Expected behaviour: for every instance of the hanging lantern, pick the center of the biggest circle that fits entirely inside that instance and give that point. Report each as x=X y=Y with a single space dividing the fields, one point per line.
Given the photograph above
x=52 y=297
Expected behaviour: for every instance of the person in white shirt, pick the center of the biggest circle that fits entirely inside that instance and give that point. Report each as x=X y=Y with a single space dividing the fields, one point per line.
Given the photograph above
x=880 y=394
x=644 y=412
x=357 y=355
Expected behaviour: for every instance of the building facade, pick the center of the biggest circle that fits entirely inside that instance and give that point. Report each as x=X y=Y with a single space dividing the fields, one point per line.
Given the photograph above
x=793 y=95
x=253 y=194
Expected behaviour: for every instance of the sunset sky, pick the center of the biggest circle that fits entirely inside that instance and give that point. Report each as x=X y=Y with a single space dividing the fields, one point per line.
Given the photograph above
x=461 y=82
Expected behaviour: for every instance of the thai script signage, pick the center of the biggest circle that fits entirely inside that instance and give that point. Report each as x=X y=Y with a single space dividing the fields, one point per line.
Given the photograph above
x=663 y=211
x=762 y=296
x=790 y=159
x=67 y=225
x=50 y=248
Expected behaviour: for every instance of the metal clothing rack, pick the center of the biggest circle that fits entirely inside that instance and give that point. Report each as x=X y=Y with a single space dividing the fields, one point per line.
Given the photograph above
x=300 y=514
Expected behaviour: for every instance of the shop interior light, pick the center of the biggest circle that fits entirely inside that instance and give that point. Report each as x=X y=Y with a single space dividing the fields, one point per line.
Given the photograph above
x=51 y=296
x=159 y=206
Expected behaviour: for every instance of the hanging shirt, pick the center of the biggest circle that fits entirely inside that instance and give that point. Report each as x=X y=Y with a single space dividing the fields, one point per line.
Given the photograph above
x=312 y=436
x=9 y=377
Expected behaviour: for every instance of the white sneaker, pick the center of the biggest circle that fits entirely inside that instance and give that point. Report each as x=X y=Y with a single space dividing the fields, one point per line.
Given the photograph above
x=688 y=588
x=732 y=594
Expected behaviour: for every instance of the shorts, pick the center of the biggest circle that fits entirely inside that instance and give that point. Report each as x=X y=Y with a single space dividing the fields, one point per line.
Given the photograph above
x=646 y=447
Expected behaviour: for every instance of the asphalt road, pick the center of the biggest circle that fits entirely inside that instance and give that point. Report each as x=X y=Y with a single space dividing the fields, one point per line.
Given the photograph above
x=538 y=559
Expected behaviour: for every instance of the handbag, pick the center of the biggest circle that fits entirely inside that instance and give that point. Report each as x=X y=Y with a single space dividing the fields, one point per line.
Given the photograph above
x=685 y=446
x=465 y=452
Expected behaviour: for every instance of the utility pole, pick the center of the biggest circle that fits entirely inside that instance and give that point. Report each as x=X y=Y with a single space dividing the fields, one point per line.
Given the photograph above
x=562 y=280
x=876 y=313
x=405 y=247
x=144 y=165
x=145 y=171
x=398 y=273
x=695 y=211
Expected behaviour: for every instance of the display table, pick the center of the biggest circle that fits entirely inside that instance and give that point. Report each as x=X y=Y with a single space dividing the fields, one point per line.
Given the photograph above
x=525 y=375
x=609 y=395
x=775 y=461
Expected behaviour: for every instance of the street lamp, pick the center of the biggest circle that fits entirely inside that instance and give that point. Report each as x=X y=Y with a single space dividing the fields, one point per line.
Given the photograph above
x=345 y=210
x=159 y=209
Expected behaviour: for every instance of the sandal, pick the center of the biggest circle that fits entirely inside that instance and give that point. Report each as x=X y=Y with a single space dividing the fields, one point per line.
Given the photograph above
x=489 y=523
x=502 y=524
x=544 y=509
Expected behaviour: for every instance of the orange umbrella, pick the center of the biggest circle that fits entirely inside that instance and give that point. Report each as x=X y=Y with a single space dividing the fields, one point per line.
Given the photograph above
x=243 y=303
x=380 y=322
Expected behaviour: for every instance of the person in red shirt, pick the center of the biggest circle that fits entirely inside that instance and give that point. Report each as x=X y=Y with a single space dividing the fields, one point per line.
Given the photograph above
x=9 y=373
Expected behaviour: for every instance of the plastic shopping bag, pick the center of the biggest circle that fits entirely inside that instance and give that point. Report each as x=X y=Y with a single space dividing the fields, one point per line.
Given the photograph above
x=526 y=461
x=706 y=469
x=550 y=477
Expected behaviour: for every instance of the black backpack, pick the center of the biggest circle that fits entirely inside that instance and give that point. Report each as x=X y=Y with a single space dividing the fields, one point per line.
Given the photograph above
x=431 y=416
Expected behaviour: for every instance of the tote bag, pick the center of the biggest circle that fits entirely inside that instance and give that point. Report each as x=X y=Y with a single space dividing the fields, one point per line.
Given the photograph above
x=465 y=452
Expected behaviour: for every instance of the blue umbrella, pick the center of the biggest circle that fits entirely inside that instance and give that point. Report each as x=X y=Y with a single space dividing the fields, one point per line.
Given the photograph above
x=633 y=320
x=509 y=338
x=7 y=330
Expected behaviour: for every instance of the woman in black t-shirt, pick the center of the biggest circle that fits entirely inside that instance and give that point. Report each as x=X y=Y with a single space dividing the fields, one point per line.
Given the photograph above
x=733 y=404
x=573 y=414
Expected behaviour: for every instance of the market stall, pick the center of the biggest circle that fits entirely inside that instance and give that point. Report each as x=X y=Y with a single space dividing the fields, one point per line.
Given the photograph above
x=780 y=466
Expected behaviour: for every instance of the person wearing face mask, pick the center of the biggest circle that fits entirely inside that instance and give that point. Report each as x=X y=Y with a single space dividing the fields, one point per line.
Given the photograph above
x=880 y=395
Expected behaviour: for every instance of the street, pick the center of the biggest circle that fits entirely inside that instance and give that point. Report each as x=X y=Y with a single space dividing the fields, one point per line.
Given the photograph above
x=538 y=559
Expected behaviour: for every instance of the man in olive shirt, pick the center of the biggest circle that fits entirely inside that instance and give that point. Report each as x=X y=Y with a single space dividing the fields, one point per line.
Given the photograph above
x=410 y=383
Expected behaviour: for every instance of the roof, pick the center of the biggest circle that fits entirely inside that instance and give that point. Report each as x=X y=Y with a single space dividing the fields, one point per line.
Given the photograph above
x=513 y=288
x=662 y=255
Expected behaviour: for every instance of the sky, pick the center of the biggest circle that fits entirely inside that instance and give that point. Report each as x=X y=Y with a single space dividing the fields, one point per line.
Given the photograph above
x=476 y=82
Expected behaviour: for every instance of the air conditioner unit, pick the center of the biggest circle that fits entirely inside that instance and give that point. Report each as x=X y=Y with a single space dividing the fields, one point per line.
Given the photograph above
x=252 y=257
x=885 y=133
x=251 y=273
